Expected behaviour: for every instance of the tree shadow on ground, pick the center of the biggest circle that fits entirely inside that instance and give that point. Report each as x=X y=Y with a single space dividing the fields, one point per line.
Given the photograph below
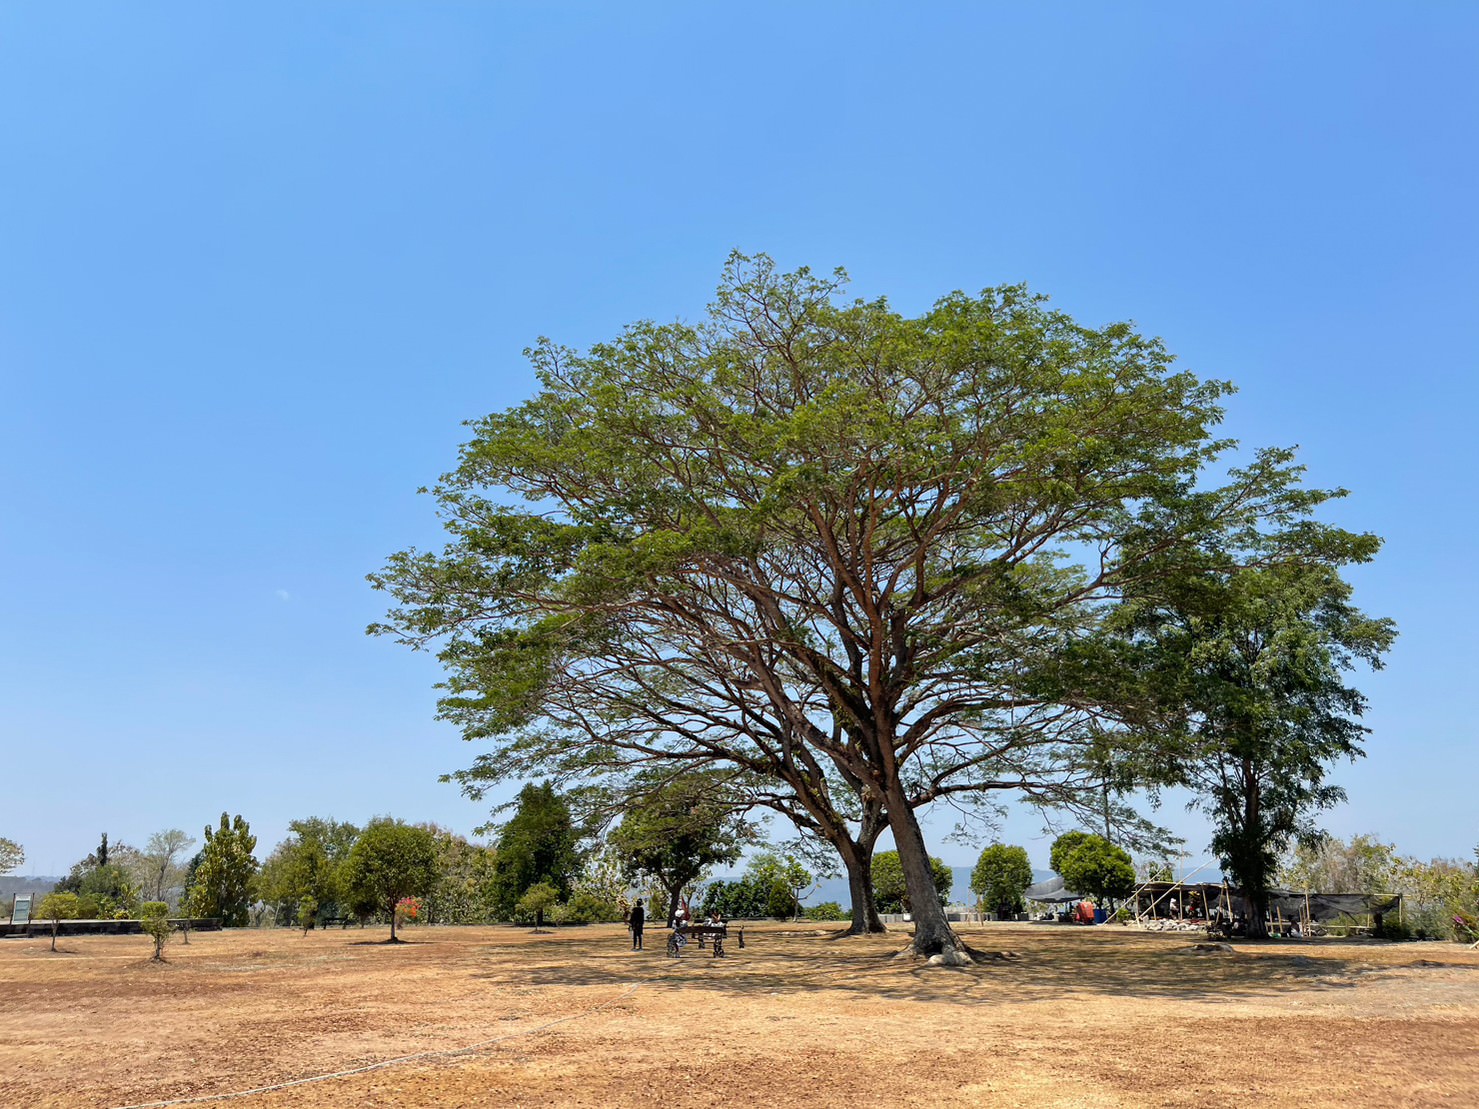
x=397 y=942
x=1018 y=967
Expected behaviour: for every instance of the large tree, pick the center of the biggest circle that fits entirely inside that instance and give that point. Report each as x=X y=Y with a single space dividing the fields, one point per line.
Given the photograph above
x=1251 y=663
x=1098 y=868
x=818 y=541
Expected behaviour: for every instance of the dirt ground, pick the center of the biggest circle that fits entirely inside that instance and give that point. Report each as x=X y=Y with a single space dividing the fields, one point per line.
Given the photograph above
x=501 y=1017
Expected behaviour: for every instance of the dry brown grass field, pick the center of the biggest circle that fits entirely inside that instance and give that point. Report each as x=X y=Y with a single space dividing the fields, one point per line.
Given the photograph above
x=1101 y=1017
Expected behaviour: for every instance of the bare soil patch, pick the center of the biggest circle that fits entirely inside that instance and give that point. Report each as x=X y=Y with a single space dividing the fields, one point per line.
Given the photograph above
x=1071 y=1016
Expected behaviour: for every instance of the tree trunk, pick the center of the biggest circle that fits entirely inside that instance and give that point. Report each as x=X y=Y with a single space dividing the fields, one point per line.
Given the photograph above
x=392 y=923
x=857 y=859
x=1249 y=867
x=54 y=926
x=1256 y=908
x=932 y=932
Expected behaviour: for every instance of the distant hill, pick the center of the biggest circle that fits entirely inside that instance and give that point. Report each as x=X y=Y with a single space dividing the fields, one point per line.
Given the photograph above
x=14 y=884
x=835 y=889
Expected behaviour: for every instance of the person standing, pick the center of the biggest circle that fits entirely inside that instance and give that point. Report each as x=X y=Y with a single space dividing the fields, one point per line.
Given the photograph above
x=635 y=921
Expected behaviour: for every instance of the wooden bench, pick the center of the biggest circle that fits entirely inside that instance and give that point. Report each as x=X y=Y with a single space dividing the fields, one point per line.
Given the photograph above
x=699 y=932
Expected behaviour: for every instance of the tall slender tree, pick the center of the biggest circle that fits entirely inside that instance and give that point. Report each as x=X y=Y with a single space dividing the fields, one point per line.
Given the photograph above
x=224 y=880
x=160 y=862
x=1251 y=664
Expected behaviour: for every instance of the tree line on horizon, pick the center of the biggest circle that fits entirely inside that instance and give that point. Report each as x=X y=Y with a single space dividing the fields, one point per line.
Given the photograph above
x=666 y=849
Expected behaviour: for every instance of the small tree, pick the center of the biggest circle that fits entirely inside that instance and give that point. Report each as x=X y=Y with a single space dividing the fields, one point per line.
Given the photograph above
x=154 y=921
x=891 y=890
x=307 y=914
x=1001 y=876
x=672 y=833
x=784 y=877
x=537 y=898
x=57 y=907
x=389 y=861
x=12 y=855
x=1100 y=869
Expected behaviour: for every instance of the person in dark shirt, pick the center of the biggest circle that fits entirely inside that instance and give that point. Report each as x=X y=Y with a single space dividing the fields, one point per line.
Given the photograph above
x=635 y=921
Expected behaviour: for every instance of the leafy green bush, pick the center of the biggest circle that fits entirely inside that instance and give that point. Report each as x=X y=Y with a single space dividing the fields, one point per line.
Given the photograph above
x=585 y=907
x=745 y=898
x=827 y=910
x=1393 y=927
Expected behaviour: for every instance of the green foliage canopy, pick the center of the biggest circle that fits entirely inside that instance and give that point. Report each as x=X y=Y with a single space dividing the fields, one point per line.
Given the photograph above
x=538 y=844
x=224 y=879
x=812 y=539
x=1249 y=662
x=1063 y=846
x=891 y=891
x=674 y=830
x=389 y=860
x=1000 y=876
x=308 y=866
x=462 y=893
x=1100 y=869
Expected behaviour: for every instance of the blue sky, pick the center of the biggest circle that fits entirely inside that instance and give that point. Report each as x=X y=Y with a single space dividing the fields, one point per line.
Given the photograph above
x=258 y=264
